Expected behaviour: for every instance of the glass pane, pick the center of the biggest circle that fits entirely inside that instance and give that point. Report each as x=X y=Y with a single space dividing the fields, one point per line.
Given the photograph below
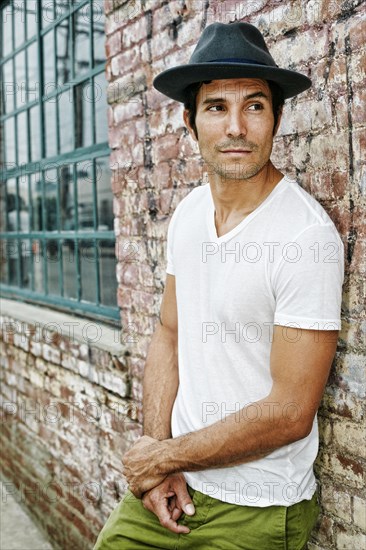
x=83 y=116
x=65 y=105
x=23 y=202
x=104 y=194
x=69 y=269
x=11 y=205
x=9 y=142
x=66 y=198
x=82 y=40
x=50 y=185
x=84 y=174
x=48 y=63
x=3 y=262
x=61 y=6
x=20 y=77
x=87 y=270
x=50 y=127
x=31 y=18
x=8 y=86
x=12 y=254
x=36 y=198
x=100 y=102
x=107 y=269
x=22 y=138
x=63 y=53
x=7 y=31
x=19 y=23
x=53 y=257
x=35 y=134
x=25 y=258
x=37 y=258
x=98 y=31
x=33 y=76
x=47 y=13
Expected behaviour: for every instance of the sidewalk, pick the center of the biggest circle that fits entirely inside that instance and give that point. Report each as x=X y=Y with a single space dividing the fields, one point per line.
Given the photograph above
x=17 y=529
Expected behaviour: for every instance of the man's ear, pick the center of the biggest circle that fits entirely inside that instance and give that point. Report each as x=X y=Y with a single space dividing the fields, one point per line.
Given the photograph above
x=186 y=122
x=278 y=122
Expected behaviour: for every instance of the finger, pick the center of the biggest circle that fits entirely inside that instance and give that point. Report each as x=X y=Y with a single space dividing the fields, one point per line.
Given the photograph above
x=174 y=509
x=176 y=513
x=166 y=519
x=183 y=499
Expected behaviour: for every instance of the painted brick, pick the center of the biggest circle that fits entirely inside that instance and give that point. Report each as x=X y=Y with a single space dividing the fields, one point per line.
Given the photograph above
x=347 y=540
x=359 y=512
x=337 y=503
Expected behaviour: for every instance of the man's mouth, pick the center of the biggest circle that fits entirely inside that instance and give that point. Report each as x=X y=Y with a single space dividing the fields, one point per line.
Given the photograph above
x=236 y=151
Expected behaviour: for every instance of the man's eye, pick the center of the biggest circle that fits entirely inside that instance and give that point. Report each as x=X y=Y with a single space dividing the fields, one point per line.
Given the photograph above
x=255 y=107
x=212 y=107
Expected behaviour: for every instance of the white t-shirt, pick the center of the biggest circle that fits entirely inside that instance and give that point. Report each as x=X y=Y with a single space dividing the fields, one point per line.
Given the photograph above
x=283 y=265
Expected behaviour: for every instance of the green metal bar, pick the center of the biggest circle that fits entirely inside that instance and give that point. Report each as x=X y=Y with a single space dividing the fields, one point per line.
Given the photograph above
x=31 y=224
x=18 y=224
x=60 y=88
x=76 y=243
x=57 y=126
x=71 y=60
x=85 y=153
x=80 y=235
x=43 y=239
x=16 y=162
x=18 y=110
x=17 y=50
x=59 y=243
x=40 y=79
x=96 y=225
x=65 y=303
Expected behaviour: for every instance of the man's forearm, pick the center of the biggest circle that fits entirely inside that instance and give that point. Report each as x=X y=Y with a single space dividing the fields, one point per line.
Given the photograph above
x=228 y=443
x=160 y=384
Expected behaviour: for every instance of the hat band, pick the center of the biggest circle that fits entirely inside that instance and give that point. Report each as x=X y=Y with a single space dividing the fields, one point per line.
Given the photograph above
x=235 y=60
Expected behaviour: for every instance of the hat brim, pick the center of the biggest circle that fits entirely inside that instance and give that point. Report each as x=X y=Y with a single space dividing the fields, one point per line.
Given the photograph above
x=173 y=82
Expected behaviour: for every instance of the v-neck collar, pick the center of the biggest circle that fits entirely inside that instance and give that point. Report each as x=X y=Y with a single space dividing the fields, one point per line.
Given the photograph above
x=211 y=214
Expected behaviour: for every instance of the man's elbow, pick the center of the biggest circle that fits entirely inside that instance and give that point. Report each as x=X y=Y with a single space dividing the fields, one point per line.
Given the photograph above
x=299 y=429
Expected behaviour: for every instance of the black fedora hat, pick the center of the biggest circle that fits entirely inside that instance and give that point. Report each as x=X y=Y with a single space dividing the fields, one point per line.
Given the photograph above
x=229 y=50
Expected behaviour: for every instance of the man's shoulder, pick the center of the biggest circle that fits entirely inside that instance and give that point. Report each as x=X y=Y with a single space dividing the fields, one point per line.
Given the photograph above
x=194 y=198
x=300 y=208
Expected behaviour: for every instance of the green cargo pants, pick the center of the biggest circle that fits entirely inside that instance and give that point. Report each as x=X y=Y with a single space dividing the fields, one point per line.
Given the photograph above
x=216 y=525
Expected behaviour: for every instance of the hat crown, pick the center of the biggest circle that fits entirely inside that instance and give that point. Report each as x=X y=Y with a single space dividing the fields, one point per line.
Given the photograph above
x=231 y=41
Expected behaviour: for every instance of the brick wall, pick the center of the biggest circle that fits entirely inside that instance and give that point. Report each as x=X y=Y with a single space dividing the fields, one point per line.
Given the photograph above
x=73 y=464
x=66 y=419
x=320 y=141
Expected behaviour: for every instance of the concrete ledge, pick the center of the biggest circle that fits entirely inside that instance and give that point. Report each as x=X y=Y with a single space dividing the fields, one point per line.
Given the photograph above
x=84 y=331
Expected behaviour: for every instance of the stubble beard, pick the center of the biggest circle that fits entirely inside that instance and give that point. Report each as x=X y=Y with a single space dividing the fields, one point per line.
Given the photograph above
x=235 y=171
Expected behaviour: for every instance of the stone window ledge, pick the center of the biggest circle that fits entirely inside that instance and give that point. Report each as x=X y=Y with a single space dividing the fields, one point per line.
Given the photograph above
x=84 y=331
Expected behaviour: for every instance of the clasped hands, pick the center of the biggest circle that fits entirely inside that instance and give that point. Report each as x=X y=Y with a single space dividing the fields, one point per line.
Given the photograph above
x=140 y=465
x=165 y=495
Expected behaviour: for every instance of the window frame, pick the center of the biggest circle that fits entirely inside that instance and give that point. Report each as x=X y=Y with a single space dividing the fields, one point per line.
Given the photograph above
x=71 y=158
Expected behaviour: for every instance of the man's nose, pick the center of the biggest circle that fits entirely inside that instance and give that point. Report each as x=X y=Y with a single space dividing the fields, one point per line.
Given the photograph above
x=235 y=123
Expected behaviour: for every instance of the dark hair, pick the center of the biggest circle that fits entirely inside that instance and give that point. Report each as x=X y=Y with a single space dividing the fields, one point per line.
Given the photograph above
x=192 y=91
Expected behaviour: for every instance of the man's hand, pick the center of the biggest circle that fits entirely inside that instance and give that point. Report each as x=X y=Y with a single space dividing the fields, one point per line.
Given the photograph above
x=168 y=501
x=139 y=466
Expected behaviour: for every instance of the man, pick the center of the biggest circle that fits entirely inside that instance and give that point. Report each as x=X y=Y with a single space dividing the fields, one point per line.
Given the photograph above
x=248 y=326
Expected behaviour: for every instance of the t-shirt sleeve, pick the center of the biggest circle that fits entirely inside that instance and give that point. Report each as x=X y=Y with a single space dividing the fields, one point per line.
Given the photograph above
x=308 y=281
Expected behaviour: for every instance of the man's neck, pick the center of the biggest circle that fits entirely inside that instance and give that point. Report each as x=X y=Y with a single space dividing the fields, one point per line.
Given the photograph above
x=236 y=198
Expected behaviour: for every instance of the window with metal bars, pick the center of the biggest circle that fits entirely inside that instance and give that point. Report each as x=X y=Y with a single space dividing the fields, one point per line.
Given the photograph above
x=56 y=228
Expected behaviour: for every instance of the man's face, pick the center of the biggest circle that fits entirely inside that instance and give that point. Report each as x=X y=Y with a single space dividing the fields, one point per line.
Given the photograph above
x=235 y=126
